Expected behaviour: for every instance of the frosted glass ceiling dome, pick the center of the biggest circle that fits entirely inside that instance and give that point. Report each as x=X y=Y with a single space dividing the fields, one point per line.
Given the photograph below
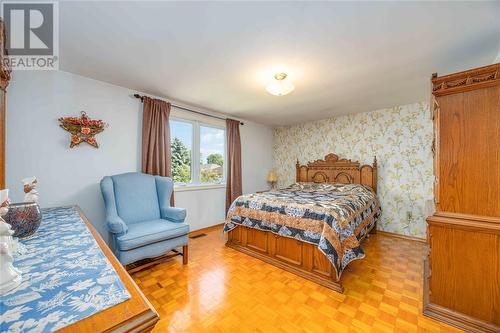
x=280 y=86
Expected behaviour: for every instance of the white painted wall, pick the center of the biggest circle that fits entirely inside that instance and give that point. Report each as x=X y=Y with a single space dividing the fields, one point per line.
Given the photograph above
x=37 y=146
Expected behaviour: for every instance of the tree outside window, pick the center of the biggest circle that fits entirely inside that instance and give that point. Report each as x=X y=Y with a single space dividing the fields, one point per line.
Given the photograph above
x=181 y=162
x=181 y=144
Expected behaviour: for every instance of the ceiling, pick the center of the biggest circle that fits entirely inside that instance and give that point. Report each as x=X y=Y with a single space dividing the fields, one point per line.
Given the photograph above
x=344 y=57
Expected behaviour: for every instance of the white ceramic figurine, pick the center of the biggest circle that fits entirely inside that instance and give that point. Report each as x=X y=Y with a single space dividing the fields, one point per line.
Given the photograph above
x=10 y=277
x=30 y=189
x=6 y=231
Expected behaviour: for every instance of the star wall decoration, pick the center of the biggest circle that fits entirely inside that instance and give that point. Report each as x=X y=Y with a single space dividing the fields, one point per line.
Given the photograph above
x=82 y=129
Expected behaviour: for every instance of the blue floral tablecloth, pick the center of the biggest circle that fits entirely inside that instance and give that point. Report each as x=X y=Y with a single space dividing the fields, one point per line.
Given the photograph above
x=66 y=277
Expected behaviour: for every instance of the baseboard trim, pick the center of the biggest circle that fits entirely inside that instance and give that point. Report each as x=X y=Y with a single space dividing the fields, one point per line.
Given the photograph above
x=206 y=229
x=460 y=320
x=392 y=234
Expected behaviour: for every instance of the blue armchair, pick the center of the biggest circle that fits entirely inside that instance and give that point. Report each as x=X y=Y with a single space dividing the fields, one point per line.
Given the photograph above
x=139 y=216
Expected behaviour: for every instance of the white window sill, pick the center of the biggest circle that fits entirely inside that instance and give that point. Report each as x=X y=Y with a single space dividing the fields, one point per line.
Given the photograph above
x=197 y=187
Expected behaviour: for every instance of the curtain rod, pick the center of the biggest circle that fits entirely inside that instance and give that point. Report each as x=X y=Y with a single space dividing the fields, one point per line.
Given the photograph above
x=186 y=109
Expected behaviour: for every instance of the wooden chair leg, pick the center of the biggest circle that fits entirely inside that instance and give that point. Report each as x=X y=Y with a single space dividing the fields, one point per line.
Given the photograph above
x=185 y=254
x=145 y=263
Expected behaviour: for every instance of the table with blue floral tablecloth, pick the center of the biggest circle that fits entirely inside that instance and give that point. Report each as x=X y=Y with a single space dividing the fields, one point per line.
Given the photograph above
x=66 y=277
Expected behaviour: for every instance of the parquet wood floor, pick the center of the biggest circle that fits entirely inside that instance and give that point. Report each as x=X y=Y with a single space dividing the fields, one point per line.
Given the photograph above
x=222 y=290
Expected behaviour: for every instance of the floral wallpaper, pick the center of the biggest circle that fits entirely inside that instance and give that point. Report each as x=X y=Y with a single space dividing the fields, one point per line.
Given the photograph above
x=400 y=138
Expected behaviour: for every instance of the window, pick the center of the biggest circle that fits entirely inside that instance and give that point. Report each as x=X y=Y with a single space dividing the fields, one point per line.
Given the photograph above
x=181 y=142
x=196 y=141
x=211 y=154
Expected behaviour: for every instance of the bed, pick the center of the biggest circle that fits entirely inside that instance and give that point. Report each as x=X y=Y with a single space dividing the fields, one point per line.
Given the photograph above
x=313 y=228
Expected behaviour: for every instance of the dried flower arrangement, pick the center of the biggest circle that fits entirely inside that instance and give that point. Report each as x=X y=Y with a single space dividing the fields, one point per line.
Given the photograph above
x=82 y=129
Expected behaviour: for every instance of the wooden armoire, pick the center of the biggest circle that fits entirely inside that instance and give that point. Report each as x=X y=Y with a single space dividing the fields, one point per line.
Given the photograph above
x=462 y=270
x=5 y=74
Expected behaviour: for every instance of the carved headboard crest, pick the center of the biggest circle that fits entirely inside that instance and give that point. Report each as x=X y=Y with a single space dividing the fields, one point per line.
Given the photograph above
x=333 y=169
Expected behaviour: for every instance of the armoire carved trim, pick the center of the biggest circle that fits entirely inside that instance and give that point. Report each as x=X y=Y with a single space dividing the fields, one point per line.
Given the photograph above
x=465 y=81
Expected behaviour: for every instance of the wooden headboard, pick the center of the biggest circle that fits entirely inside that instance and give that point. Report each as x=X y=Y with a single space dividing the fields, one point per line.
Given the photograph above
x=335 y=170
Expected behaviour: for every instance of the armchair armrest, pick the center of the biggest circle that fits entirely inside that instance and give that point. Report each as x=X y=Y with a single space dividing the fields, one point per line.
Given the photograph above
x=173 y=214
x=116 y=225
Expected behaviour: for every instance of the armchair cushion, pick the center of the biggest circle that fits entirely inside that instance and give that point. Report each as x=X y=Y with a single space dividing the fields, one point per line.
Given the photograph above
x=148 y=232
x=173 y=214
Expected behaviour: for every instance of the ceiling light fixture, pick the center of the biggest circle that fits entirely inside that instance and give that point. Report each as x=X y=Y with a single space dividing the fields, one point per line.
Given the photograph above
x=280 y=86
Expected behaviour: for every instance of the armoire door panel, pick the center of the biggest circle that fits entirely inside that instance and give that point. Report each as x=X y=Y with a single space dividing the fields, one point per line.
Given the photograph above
x=465 y=271
x=469 y=152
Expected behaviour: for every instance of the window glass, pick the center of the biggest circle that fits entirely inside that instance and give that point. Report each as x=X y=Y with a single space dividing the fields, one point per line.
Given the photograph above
x=212 y=154
x=181 y=139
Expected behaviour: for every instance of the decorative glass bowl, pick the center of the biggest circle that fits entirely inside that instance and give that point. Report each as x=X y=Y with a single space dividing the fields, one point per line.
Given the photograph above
x=25 y=218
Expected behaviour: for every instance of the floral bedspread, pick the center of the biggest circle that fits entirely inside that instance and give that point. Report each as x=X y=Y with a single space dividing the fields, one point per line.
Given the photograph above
x=335 y=217
x=65 y=277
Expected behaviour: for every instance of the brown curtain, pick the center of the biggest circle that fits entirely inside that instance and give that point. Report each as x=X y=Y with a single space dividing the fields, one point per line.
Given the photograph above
x=156 y=154
x=233 y=181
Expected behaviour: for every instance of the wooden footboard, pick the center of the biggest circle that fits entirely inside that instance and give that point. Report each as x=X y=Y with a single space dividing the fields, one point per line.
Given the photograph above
x=292 y=255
